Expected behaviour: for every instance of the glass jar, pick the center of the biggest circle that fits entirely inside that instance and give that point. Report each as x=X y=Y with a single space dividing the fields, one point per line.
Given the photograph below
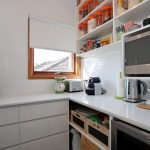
x=85 y=27
x=81 y=30
x=107 y=13
x=98 y=17
x=59 y=86
x=91 y=23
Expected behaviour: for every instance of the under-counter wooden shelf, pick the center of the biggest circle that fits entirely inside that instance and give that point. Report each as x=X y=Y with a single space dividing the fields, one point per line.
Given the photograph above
x=138 y=12
x=87 y=136
x=103 y=51
x=100 y=30
x=106 y=2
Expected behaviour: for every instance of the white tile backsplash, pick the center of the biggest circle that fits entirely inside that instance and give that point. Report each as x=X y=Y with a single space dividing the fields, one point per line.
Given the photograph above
x=107 y=68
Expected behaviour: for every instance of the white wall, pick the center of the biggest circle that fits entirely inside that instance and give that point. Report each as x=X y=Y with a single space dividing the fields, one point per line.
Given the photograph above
x=14 y=41
x=107 y=68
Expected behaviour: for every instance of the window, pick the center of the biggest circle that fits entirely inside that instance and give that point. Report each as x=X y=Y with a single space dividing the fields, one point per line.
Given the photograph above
x=53 y=61
x=48 y=64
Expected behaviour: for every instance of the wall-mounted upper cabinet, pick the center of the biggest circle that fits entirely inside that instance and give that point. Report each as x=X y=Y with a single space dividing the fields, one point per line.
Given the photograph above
x=48 y=34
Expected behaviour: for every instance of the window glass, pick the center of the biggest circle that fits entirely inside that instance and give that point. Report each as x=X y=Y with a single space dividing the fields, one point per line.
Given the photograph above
x=53 y=61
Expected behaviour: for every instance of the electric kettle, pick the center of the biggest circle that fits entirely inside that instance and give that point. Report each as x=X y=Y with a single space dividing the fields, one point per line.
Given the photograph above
x=134 y=90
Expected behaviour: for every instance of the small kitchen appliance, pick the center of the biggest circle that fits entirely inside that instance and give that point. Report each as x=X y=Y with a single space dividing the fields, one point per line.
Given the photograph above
x=135 y=90
x=73 y=85
x=94 y=86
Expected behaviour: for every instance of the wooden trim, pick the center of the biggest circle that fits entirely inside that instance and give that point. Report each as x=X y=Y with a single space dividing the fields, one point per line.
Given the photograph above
x=49 y=75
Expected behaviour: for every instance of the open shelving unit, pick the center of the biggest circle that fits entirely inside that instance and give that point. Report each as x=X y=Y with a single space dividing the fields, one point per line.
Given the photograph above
x=102 y=51
x=106 y=2
x=137 y=14
x=88 y=137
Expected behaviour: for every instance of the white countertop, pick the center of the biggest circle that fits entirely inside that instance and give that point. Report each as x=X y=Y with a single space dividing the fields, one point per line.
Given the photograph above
x=108 y=104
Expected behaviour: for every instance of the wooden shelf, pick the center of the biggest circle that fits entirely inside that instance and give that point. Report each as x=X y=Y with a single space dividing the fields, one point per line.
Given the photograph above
x=102 y=51
x=106 y=2
x=85 y=135
x=98 y=30
x=136 y=13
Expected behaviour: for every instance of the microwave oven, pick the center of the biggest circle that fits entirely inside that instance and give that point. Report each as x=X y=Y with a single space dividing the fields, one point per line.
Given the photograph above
x=137 y=53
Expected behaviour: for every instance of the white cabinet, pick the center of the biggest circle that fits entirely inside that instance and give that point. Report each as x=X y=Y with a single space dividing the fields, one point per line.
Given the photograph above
x=9 y=135
x=56 y=142
x=41 y=110
x=9 y=115
x=44 y=127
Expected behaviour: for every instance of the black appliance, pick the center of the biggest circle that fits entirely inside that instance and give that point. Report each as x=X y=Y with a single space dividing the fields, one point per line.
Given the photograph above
x=94 y=87
x=127 y=137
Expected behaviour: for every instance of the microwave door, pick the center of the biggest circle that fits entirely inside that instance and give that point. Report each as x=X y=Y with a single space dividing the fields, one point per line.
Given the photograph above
x=137 y=55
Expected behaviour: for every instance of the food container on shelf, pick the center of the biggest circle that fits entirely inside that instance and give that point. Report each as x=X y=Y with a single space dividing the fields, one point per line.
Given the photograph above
x=80 y=13
x=122 y=6
x=120 y=31
x=81 y=30
x=98 y=17
x=85 y=27
x=85 y=10
x=107 y=13
x=91 y=5
x=91 y=24
x=132 y=3
x=90 y=44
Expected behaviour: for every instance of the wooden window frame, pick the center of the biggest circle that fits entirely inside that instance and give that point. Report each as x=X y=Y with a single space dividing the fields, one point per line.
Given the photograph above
x=51 y=75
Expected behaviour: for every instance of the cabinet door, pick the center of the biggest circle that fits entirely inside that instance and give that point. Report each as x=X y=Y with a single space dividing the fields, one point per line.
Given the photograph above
x=44 y=127
x=56 y=142
x=41 y=110
x=13 y=148
x=9 y=136
x=9 y=115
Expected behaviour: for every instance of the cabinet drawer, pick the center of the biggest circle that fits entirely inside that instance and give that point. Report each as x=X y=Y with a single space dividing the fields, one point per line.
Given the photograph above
x=9 y=136
x=56 y=142
x=13 y=148
x=41 y=110
x=9 y=115
x=43 y=127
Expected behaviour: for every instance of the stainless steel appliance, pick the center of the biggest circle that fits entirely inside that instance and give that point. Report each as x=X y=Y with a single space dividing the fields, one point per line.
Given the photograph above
x=137 y=53
x=73 y=85
x=127 y=137
x=135 y=90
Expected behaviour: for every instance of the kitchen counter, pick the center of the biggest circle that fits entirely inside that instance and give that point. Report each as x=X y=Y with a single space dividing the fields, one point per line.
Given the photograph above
x=105 y=103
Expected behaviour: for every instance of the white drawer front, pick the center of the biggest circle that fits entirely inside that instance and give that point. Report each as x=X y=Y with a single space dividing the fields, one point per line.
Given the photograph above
x=43 y=127
x=9 y=115
x=46 y=109
x=13 y=148
x=9 y=136
x=56 y=142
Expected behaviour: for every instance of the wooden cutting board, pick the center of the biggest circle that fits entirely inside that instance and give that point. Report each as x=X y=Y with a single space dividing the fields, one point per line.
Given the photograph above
x=144 y=106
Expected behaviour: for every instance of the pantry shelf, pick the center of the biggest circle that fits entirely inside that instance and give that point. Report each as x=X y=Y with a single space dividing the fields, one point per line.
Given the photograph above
x=100 y=30
x=142 y=8
x=106 y=2
x=102 y=51
x=89 y=138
